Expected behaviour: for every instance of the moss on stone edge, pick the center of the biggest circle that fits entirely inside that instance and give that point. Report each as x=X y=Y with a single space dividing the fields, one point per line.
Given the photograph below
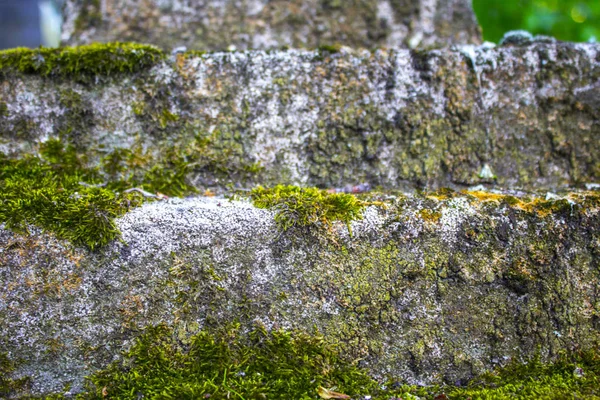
x=58 y=191
x=8 y=385
x=297 y=207
x=74 y=62
x=227 y=363
x=575 y=376
x=60 y=198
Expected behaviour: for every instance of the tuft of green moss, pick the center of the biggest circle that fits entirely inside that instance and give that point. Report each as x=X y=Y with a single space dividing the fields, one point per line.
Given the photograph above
x=575 y=376
x=9 y=386
x=3 y=109
x=230 y=364
x=53 y=197
x=297 y=206
x=213 y=154
x=329 y=48
x=83 y=61
x=58 y=192
x=165 y=117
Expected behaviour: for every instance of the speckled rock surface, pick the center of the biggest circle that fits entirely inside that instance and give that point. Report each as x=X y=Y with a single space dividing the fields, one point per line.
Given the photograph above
x=428 y=289
x=262 y=24
x=399 y=118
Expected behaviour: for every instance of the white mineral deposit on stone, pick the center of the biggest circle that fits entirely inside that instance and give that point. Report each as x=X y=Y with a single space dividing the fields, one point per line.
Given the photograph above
x=486 y=172
x=180 y=49
x=458 y=210
x=552 y=196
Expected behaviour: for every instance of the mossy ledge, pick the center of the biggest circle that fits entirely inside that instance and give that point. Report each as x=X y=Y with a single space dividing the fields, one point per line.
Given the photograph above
x=84 y=61
x=226 y=362
x=58 y=192
x=394 y=118
x=309 y=207
x=419 y=284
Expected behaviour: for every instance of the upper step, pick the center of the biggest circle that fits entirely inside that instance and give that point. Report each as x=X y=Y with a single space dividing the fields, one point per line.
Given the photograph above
x=516 y=115
x=263 y=24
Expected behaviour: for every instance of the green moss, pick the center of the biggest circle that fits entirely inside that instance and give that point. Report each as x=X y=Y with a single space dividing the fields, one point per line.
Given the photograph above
x=77 y=117
x=193 y=53
x=308 y=206
x=59 y=192
x=139 y=108
x=227 y=364
x=9 y=386
x=81 y=62
x=572 y=377
x=166 y=117
x=214 y=155
x=3 y=109
x=169 y=179
x=48 y=193
x=89 y=16
x=329 y=48
x=22 y=128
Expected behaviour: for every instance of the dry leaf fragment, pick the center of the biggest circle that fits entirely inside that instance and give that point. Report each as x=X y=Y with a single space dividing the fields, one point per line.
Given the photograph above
x=104 y=392
x=329 y=394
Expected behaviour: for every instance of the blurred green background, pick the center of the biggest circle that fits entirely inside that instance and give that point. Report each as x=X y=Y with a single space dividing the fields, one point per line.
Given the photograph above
x=572 y=20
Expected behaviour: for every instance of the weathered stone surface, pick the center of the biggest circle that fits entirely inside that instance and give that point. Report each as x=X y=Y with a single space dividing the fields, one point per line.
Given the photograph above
x=399 y=118
x=262 y=24
x=427 y=289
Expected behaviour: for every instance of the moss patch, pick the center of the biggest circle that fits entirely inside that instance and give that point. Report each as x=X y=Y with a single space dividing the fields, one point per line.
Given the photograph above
x=296 y=365
x=89 y=16
x=58 y=195
x=226 y=363
x=8 y=385
x=83 y=61
x=297 y=206
x=571 y=377
x=3 y=109
x=229 y=364
x=207 y=156
x=61 y=193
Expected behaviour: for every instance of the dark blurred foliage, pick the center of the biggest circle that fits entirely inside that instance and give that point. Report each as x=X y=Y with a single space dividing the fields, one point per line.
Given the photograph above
x=572 y=20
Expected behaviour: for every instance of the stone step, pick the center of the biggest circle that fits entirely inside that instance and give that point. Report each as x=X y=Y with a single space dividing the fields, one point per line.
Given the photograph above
x=520 y=115
x=427 y=288
x=268 y=24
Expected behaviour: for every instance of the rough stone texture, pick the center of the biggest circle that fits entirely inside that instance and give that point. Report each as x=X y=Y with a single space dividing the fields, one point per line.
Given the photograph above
x=263 y=24
x=399 y=118
x=427 y=289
